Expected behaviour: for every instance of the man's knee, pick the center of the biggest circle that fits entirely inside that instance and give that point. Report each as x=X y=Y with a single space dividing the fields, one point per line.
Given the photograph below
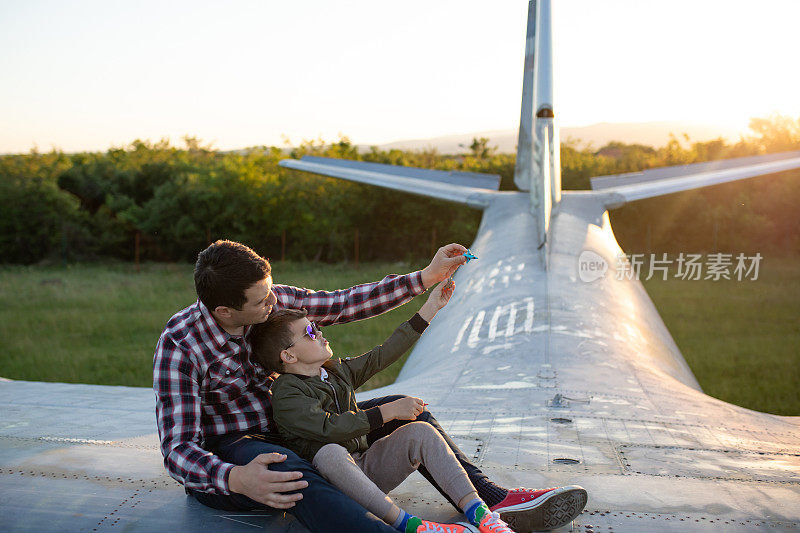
x=247 y=449
x=393 y=397
x=425 y=416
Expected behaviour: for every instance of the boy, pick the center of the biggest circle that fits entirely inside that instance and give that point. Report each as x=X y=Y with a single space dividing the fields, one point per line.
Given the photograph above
x=315 y=410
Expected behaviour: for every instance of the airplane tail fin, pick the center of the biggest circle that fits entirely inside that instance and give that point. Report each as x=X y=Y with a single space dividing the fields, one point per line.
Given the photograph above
x=538 y=165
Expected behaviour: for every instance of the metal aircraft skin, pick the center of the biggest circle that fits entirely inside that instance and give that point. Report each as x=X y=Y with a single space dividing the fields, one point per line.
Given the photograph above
x=545 y=373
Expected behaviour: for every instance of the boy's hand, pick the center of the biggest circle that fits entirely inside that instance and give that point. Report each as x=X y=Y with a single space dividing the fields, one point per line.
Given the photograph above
x=437 y=299
x=444 y=264
x=407 y=408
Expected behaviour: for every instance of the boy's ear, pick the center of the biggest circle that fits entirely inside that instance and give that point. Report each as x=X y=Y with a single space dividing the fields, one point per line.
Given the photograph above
x=287 y=357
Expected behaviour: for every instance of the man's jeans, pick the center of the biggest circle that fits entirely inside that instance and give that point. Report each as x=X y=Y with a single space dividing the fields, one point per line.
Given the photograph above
x=323 y=507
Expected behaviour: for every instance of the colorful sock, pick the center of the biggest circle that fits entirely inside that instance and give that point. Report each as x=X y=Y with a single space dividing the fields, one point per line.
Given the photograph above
x=411 y=523
x=401 y=520
x=475 y=511
x=489 y=492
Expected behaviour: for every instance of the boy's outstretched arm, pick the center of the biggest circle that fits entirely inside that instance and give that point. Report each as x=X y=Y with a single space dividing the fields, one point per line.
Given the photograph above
x=437 y=299
x=367 y=365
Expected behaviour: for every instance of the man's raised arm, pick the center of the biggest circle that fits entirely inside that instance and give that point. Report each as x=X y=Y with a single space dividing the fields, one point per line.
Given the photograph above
x=371 y=299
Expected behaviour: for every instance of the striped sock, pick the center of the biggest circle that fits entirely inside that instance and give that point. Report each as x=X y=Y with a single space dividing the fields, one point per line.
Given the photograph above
x=412 y=523
x=475 y=511
x=400 y=522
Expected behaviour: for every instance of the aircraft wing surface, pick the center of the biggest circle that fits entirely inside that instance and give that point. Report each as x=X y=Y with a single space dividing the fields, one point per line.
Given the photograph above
x=624 y=188
x=472 y=189
x=86 y=458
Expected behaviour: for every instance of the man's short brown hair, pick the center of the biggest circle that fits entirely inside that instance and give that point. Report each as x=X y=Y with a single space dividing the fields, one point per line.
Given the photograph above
x=272 y=336
x=224 y=271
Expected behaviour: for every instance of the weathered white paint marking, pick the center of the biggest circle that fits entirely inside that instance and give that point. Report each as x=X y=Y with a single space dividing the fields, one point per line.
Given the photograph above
x=512 y=318
x=474 y=335
x=493 y=323
x=461 y=332
x=529 y=316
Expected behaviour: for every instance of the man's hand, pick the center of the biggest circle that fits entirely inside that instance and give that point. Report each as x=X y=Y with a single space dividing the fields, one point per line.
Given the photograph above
x=438 y=298
x=261 y=484
x=444 y=264
x=407 y=408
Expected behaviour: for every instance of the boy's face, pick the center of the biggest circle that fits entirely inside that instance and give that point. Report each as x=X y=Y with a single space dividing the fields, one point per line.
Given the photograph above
x=306 y=350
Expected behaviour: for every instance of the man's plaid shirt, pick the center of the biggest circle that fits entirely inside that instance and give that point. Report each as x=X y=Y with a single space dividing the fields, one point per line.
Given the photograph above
x=206 y=386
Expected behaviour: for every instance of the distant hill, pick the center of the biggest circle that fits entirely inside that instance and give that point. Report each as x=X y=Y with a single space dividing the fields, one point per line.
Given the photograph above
x=648 y=133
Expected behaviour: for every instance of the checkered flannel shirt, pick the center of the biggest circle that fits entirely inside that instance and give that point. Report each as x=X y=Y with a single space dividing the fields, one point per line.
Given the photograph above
x=206 y=386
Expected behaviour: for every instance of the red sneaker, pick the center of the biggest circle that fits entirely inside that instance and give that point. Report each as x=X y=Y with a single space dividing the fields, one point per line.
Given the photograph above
x=527 y=510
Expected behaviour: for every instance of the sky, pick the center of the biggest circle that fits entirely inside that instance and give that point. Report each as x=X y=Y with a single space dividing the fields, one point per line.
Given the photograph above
x=89 y=74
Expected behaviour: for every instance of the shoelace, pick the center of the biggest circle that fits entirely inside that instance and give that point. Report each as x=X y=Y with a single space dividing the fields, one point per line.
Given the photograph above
x=531 y=491
x=493 y=523
x=433 y=527
x=523 y=489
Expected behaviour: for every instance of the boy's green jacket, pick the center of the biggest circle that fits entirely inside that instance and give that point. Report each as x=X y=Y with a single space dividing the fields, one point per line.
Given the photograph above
x=311 y=412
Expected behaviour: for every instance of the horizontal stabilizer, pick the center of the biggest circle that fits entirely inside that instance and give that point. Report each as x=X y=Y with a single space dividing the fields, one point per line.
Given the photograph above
x=452 y=177
x=624 y=188
x=473 y=189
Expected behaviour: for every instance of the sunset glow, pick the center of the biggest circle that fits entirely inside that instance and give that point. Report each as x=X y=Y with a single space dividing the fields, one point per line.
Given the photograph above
x=89 y=74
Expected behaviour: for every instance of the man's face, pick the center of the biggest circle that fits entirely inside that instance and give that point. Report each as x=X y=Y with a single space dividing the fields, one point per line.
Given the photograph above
x=307 y=350
x=259 y=300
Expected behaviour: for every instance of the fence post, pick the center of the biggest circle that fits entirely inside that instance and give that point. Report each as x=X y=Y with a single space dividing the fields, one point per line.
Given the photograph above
x=433 y=242
x=283 y=246
x=136 y=238
x=63 y=243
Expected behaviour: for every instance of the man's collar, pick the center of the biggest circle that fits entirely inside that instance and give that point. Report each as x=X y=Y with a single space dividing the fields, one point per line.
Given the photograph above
x=219 y=335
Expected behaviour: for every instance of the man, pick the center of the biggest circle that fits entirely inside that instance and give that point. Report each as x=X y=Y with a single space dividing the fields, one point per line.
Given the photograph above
x=212 y=401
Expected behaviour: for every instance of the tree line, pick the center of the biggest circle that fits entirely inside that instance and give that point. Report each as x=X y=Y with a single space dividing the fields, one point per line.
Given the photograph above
x=156 y=201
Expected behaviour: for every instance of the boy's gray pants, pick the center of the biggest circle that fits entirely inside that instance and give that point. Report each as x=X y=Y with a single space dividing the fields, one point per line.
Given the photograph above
x=368 y=476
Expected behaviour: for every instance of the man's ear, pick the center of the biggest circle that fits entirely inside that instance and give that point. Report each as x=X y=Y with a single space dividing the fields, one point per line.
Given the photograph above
x=222 y=311
x=287 y=357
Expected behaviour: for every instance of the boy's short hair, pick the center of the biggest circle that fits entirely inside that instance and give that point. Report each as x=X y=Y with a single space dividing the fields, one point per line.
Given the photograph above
x=224 y=271
x=272 y=336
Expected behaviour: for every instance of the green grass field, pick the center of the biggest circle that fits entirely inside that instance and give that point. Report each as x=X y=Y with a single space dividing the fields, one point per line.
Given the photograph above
x=99 y=323
x=740 y=338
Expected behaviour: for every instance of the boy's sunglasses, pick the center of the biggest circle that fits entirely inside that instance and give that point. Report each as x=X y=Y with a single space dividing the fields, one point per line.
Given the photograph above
x=312 y=330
